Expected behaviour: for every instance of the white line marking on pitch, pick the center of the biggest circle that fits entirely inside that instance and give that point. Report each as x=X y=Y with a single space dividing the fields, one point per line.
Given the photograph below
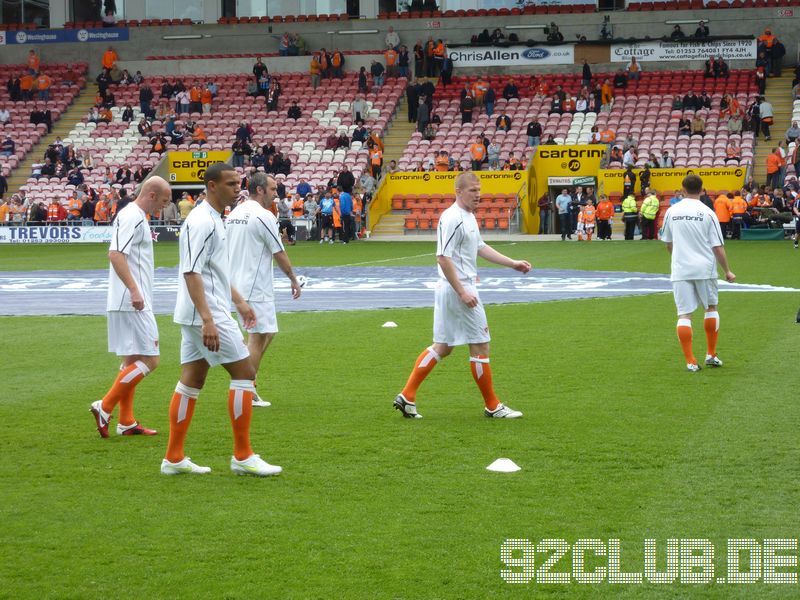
x=383 y=260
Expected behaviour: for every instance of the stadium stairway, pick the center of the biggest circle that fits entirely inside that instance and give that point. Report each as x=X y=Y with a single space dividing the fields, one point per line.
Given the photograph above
x=74 y=113
x=394 y=144
x=779 y=94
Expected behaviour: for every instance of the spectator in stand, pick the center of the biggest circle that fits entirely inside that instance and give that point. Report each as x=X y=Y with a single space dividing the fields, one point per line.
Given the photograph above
x=376 y=160
x=735 y=123
x=43 y=84
x=392 y=39
x=363 y=86
x=13 y=87
x=8 y=147
x=630 y=157
x=127 y=114
x=377 y=71
x=510 y=90
x=477 y=151
x=206 y=99
x=423 y=115
x=711 y=67
x=666 y=161
x=110 y=58
x=199 y=135
x=123 y=176
x=704 y=101
x=775 y=162
x=145 y=99
x=684 y=126
x=503 y=122
x=556 y=105
x=315 y=71
x=241 y=150
x=766 y=116
x=489 y=98
x=403 y=62
x=3 y=184
x=74 y=205
x=294 y=111
x=701 y=31
x=677 y=33
x=390 y=56
x=125 y=78
x=337 y=63
x=634 y=70
x=606 y=95
x=466 y=107
x=691 y=101
x=534 y=133
x=33 y=62
x=677 y=103
x=553 y=34
x=26 y=86
x=56 y=211
x=733 y=152
x=793 y=133
x=620 y=80
x=493 y=153
x=698 y=125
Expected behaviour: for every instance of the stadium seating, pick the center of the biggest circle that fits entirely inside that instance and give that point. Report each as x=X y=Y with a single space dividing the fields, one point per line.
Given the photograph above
x=117 y=144
x=20 y=129
x=643 y=110
x=421 y=212
x=252 y=55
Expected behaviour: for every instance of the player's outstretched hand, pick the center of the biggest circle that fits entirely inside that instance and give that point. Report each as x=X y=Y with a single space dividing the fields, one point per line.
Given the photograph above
x=247 y=313
x=296 y=289
x=523 y=266
x=469 y=299
x=210 y=336
x=730 y=277
x=137 y=300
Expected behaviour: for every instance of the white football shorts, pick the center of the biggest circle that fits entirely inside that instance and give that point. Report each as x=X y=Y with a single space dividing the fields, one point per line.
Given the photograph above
x=132 y=332
x=691 y=293
x=266 y=319
x=231 y=344
x=454 y=323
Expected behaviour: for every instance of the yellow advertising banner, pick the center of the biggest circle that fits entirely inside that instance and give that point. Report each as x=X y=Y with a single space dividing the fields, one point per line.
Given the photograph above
x=557 y=162
x=668 y=180
x=190 y=166
x=439 y=182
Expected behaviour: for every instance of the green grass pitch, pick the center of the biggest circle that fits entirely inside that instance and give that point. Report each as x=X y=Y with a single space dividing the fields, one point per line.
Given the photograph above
x=618 y=441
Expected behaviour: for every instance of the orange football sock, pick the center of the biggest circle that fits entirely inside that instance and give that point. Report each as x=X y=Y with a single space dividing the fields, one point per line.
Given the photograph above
x=685 y=337
x=424 y=365
x=240 y=409
x=482 y=374
x=123 y=389
x=181 y=409
x=711 y=324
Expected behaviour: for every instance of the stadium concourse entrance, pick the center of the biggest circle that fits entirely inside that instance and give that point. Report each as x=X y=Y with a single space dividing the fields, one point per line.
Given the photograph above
x=571 y=184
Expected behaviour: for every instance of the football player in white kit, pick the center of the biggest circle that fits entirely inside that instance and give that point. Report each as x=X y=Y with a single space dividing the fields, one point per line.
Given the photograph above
x=694 y=238
x=209 y=334
x=254 y=240
x=458 y=314
x=132 y=329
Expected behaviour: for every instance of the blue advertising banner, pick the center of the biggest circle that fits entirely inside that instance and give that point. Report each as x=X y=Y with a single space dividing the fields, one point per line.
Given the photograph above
x=64 y=36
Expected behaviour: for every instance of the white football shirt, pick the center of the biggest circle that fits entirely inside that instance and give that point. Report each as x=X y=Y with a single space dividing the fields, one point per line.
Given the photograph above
x=131 y=235
x=694 y=230
x=204 y=250
x=459 y=238
x=253 y=238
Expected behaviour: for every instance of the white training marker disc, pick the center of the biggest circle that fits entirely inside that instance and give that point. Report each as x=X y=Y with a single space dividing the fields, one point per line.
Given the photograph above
x=504 y=465
x=389 y=324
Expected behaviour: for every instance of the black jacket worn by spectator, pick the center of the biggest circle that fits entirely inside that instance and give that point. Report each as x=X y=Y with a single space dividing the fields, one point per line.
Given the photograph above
x=268 y=148
x=376 y=69
x=3 y=185
x=402 y=58
x=127 y=115
x=259 y=69
x=587 y=73
x=690 y=102
x=145 y=94
x=427 y=89
x=490 y=96
x=620 y=80
x=294 y=112
x=87 y=210
x=510 y=91
x=166 y=90
x=534 y=130
x=412 y=97
x=704 y=101
x=500 y=119
x=701 y=31
x=346 y=180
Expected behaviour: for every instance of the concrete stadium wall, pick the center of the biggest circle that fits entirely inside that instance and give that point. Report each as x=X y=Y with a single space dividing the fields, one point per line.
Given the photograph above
x=147 y=41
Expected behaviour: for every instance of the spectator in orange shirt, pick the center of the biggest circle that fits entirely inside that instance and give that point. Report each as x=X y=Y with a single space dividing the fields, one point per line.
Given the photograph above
x=26 y=86
x=723 y=207
x=733 y=153
x=606 y=95
x=195 y=94
x=391 y=62
x=477 y=151
x=33 y=62
x=206 y=98
x=775 y=162
x=442 y=161
x=56 y=211
x=110 y=58
x=43 y=83
x=199 y=136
